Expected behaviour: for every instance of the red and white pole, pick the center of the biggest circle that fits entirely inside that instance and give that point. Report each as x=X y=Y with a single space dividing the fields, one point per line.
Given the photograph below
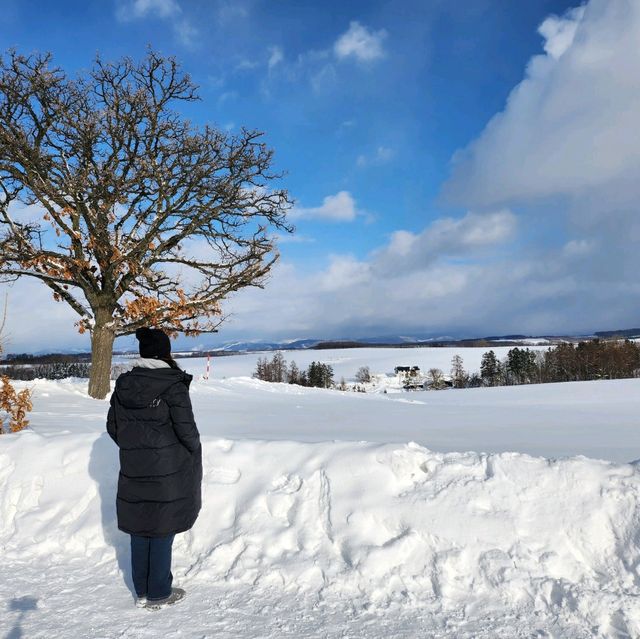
x=206 y=375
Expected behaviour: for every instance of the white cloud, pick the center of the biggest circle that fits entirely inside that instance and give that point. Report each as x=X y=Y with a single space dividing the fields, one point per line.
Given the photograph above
x=276 y=56
x=230 y=10
x=360 y=43
x=469 y=236
x=564 y=154
x=352 y=297
x=448 y=279
x=340 y=207
x=478 y=230
x=573 y=124
x=407 y=283
x=401 y=243
x=566 y=150
x=578 y=248
x=293 y=238
x=381 y=155
x=24 y=213
x=446 y=237
x=458 y=235
x=559 y=32
x=139 y=9
x=344 y=271
x=186 y=33
x=28 y=302
x=319 y=66
x=226 y=97
x=169 y=10
x=247 y=65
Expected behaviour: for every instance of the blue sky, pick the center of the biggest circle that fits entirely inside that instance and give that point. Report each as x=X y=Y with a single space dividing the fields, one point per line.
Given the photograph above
x=366 y=104
x=440 y=75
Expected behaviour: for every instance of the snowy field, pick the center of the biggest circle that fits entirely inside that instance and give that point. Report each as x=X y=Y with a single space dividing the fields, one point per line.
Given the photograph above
x=342 y=515
x=345 y=362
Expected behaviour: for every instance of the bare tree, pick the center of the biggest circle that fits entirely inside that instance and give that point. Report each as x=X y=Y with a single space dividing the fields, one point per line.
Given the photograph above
x=124 y=209
x=275 y=370
x=363 y=376
x=293 y=373
x=435 y=378
x=279 y=367
x=459 y=376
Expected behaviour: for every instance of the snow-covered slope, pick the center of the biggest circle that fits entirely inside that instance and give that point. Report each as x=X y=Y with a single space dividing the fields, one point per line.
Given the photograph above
x=327 y=539
x=596 y=419
x=473 y=545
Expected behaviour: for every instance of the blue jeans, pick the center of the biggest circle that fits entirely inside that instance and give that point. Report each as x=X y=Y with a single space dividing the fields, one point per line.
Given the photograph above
x=151 y=566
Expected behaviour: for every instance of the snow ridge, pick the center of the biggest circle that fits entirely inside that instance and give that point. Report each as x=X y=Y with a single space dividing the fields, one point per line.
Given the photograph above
x=462 y=535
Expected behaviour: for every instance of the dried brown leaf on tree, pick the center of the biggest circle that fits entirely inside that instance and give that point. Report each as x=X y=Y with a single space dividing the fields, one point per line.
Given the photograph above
x=123 y=181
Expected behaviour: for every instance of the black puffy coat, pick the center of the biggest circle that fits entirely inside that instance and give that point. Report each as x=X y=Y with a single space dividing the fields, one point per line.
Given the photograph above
x=151 y=421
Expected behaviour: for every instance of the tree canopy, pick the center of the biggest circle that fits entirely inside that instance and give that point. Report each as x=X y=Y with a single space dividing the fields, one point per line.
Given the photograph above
x=128 y=212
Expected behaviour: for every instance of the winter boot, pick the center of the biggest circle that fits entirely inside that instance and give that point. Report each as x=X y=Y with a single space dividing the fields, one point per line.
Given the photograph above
x=176 y=595
x=141 y=602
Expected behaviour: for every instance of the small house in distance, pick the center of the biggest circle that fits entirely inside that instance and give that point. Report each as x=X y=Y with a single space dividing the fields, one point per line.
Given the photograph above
x=407 y=371
x=409 y=376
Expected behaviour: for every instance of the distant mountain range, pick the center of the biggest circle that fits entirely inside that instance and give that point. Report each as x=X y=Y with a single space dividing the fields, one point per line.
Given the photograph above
x=627 y=332
x=398 y=341
x=380 y=341
x=418 y=340
x=300 y=344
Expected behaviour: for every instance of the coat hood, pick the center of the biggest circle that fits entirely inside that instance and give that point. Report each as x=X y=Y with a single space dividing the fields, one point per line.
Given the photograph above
x=140 y=386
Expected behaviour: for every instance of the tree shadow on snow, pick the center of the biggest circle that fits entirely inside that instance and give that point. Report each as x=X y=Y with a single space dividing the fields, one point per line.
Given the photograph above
x=103 y=468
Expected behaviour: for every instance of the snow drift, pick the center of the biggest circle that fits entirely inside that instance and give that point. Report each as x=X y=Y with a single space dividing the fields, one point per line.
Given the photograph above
x=377 y=526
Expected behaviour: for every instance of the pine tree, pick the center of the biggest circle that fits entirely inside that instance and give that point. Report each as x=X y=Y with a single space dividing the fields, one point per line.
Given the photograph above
x=312 y=374
x=490 y=369
x=529 y=365
x=327 y=375
x=320 y=375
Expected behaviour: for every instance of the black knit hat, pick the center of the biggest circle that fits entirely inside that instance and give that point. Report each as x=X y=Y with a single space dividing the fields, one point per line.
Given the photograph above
x=154 y=343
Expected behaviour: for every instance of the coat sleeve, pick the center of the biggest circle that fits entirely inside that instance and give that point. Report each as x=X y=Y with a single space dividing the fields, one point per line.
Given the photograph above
x=111 y=420
x=184 y=424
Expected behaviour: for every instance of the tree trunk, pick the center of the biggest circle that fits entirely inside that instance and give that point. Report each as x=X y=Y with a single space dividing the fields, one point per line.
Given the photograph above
x=101 y=355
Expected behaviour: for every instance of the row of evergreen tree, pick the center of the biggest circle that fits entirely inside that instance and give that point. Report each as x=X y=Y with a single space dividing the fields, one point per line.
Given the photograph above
x=277 y=369
x=566 y=362
x=56 y=370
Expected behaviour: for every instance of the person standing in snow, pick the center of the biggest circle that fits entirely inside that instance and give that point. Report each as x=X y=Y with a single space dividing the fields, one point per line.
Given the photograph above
x=151 y=420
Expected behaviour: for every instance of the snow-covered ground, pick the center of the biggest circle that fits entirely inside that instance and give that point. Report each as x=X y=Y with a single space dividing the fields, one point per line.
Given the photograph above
x=330 y=514
x=345 y=362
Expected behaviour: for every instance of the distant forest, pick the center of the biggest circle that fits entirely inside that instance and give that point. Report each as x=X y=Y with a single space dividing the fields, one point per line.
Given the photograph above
x=565 y=362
